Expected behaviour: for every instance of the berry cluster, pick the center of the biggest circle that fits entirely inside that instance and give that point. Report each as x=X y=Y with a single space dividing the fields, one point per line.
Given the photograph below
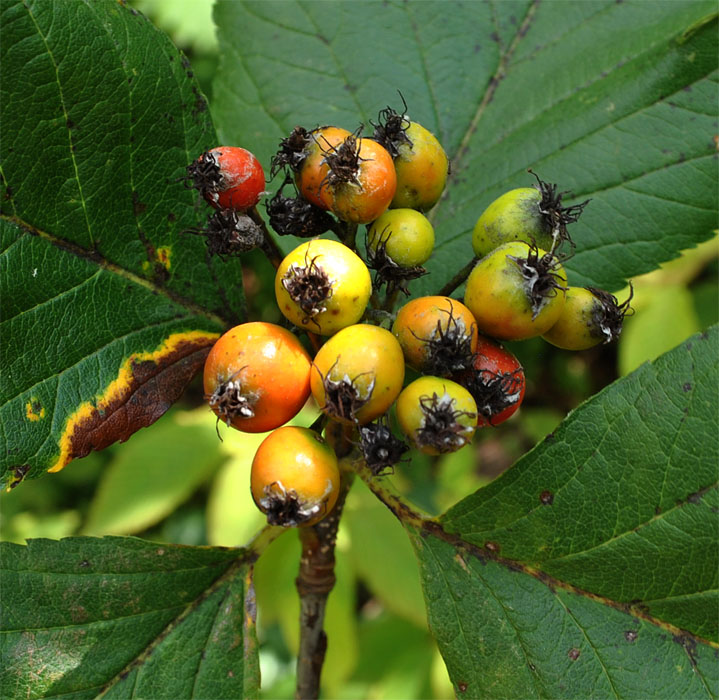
x=259 y=375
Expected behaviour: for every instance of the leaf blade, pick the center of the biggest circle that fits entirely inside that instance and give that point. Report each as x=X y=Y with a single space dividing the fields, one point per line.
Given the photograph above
x=125 y=604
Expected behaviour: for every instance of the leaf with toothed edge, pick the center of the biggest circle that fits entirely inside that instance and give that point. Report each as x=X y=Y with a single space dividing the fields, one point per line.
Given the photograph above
x=591 y=566
x=107 y=309
x=120 y=617
x=615 y=101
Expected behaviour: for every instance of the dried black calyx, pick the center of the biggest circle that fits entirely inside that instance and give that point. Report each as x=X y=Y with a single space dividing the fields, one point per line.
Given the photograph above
x=608 y=314
x=541 y=279
x=309 y=286
x=390 y=130
x=380 y=448
x=229 y=233
x=493 y=392
x=387 y=271
x=229 y=401
x=449 y=348
x=286 y=508
x=292 y=151
x=205 y=176
x=295 y=216
x=343 y=161
x=556 y=216
x=344 y=397
x=441 y=428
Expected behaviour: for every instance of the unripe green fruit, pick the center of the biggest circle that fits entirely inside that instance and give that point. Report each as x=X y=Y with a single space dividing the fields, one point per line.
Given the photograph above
x=515 y=216
x=589 y=317
x=406 y=234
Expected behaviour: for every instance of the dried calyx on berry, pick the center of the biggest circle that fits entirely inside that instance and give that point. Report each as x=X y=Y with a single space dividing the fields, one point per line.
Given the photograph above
x=228 y=233
x=287 y=508
x=390 y=130
x=387 y=271
x=495 y=392
x=295 y=216
x=309 y=286
x=205 y=175
x=380 y=448
x=555 y=215
x=608 y=315
x=541 y=277
x=449 y=348
x=230 y=401
x=343 y=161
x=227 y=177
x=441 y=430
x=344 y=397
x=292 y=151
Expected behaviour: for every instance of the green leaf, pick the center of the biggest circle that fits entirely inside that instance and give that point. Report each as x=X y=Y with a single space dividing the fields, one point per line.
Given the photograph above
x=107 y=311
x=505 y=632
x=621 y=499
x=152 y=475
x=615 y=101
x=591 y=566
x=119 y=617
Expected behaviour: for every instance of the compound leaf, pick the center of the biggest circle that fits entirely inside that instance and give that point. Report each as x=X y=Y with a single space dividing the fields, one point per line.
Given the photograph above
x=591 y=566
x=614 y=101
x=107 y=311
x=118 y=617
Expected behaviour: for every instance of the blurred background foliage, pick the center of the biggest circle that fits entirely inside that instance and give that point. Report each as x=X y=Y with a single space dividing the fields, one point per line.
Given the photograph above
x=179 y=483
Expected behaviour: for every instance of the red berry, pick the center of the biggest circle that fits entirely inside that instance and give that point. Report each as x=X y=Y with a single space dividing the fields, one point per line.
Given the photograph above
x=228 y=177
x=496 y=382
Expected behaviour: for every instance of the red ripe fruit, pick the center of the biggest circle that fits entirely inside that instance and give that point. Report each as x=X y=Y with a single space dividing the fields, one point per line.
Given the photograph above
x=496 y=382
x=228 y=177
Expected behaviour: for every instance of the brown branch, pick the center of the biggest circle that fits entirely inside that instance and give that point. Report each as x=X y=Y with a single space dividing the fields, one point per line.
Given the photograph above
x=460 y=277
x=314 y=582
x=269 y=246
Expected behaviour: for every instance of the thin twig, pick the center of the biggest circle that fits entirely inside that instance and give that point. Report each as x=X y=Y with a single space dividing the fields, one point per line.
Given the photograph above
x=347 y=233
x=269 y=245
x=460 y=277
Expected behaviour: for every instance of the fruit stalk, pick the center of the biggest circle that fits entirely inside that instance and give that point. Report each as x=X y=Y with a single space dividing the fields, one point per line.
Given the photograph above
x=269 y=245
x=315 y=580
x=460 y=277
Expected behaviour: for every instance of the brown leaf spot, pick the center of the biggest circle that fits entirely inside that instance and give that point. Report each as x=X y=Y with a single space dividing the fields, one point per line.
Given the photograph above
x=462 y=687
x=573 y=653
x=630 y=636
x=546 y=498
x=147 y=385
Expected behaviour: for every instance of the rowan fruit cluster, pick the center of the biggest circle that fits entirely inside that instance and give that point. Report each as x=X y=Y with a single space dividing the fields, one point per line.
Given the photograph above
x=340 y=296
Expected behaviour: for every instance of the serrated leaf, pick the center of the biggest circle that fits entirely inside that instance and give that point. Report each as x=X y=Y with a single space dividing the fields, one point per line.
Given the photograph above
x=119 y=617
x=591 y=567
x=615 y=101
x=107 y=311
x=507 y=633
x=622 y=499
